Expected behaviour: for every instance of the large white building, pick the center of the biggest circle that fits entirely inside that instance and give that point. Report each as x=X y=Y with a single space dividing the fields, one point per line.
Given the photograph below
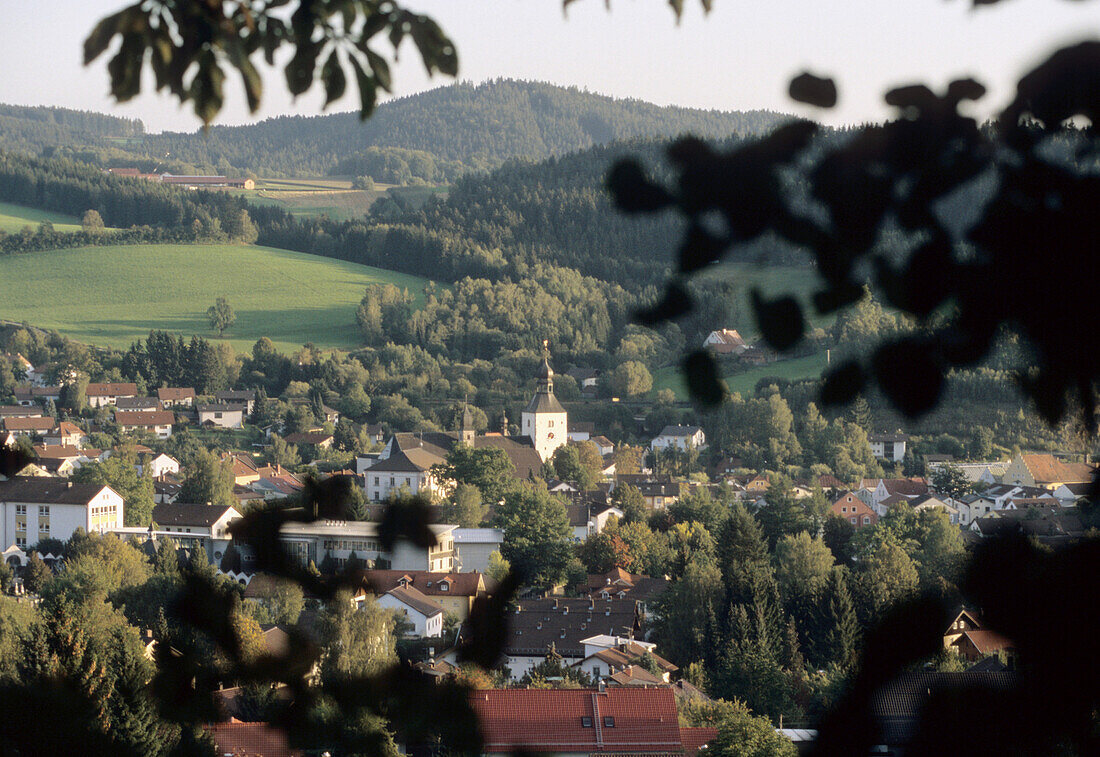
x=544 y=420
x=36 y=508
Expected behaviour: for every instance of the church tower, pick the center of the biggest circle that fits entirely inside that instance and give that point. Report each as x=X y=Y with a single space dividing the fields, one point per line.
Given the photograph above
x=544 y=420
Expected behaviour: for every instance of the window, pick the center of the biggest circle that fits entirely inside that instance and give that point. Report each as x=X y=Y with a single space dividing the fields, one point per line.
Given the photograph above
x=444 y=587
x=866 y=520
x=586 y=722
x=609 y=722
x=853 y=519
x=20 y=509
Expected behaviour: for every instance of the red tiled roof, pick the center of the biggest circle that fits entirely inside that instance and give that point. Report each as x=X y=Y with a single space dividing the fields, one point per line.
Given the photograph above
x=1047 y=469
x=695 y=739
x=175 y=393
x=29 y=424
x=549 y=720
x=252 y=739
x=111 y=390
x=986 y=641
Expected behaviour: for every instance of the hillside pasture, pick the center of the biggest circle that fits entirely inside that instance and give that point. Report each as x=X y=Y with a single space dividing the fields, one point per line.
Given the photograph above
x=13 y=218
x=113 y=295
x=744 y=382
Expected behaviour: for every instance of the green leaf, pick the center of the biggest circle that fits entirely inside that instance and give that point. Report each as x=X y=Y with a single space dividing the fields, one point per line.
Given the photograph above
x=332 y=74
x=368 y=89
x=299 y=71
x=380 y=68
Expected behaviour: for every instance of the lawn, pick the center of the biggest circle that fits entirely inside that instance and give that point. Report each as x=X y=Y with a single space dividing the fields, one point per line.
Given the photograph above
x=114 y=295
x=744 y=383
x=14 y=217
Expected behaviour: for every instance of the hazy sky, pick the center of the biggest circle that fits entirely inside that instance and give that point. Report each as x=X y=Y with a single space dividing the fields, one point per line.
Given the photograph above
x=741 y=56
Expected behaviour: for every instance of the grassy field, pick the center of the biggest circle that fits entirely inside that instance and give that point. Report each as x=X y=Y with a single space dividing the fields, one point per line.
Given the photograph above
x=14 y=217
x=744 y=383
x=112 y=296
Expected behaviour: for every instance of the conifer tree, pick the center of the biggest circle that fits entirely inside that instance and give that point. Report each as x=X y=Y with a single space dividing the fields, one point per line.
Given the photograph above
x=840 y=627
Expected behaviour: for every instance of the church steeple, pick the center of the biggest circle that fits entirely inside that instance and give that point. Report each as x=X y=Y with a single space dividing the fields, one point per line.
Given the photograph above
x=468 y=432
x=544 y=419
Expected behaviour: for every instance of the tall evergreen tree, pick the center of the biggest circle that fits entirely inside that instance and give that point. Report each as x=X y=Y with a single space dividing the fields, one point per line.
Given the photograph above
x=839 y=638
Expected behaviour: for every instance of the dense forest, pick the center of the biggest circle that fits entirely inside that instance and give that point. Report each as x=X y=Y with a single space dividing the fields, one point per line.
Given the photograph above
x=463 y=127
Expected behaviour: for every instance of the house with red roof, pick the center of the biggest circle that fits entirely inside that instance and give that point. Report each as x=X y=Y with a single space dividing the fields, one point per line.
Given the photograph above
x=107 y=394
x=620 y=720
x=854 y=510
x=234 y=737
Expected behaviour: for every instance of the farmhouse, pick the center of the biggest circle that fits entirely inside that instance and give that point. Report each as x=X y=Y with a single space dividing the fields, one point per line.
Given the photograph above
x=725 y=342
x=200 y=182
x=108 y=394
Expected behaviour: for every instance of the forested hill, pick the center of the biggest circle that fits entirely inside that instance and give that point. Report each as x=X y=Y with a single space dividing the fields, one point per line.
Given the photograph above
x=454 y=129
x=34 y=129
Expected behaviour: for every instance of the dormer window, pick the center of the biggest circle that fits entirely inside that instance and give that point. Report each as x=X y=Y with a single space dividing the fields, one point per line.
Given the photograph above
x=609 y=722
x=586 y=722
x=443 y=586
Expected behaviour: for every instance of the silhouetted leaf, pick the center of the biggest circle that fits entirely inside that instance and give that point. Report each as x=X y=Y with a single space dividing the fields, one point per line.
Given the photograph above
x=632 y=191
x=704 y=383
x=813 y=90
x=407 y=519
x=842 y=383
x=332 y=75
x=486 y=630
x=1066 y=84
x=780 y=320
x=676 y=302
x=699 y=249
x=909 y=376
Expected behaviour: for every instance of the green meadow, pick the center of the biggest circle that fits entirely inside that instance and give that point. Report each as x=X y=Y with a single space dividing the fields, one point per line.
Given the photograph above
x=14 y=217
x=113 y=295
x=811 y=366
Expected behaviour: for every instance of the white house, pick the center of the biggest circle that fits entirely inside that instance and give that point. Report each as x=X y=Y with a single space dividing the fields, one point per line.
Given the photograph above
x=158 y=422
x=222 y=415
x=680 y=437
x=425 y=616
x=473 y=546
x=158 y=465
x=100 y=395
x=34 y=508
x=190 y=526
x=404 y=471
x=246 y=397
x=725 y=342
x=888 y=446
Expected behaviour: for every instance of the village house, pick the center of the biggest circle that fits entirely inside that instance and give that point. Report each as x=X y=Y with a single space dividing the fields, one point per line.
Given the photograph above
x=582 y=722
x=581 y=431
x=176 y=396
x=137 y=403
x=883 y=488
x=679 y=437
x=474 y=546
x=725 y=342
x=623 y=656
x=64 y=460
x=28 y=395
x=100 y=395
x=588 y=520
x=21 y=411
x=658 y=494
x=32 y=509
x=246 y=397
x=29 y=426
x=318 y=439
x=66 y=434
x=193 y=526
x=930 y=502
x=450 y=592
x=424 y=617
x=854 y=510
x=967 y=637
x=619 y=584
x=888 y=446
x=157 y=422
x=221 y=415
x=568 y=624
x=1046 y=471
x=157 y=466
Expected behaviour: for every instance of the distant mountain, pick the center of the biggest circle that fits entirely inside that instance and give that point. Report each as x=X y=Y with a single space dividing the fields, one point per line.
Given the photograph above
x=434 y=135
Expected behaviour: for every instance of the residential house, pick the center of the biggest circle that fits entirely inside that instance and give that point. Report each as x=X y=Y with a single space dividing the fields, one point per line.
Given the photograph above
x=680 y=437
x=27 y=394
x=193 y=526
x=854 y=510
x=157 y=422
x=276 y=483
x=929 y=502
x=1046 y=471
x=29 y=426
x=888 y=446
x=158 y=466
x=725 y=342
x=66 y=434
x=245 y=397
x=221 y=415
x=176 y=396
x=62 y=461
x=21 y=411
x=235 y=737
x=318 y=439
x=603 y=444
x=137 y=403
x=970 y=639
x=620 y=658
x=581 y=431
x=566 y=623
x=424 y=617
x=588 y=520
x=32 y=509
x=579 y=722
x=618 y=584
x=658 y=494
x=586 y=378
x=901 y=487
x=450 y=592
x=100 y=395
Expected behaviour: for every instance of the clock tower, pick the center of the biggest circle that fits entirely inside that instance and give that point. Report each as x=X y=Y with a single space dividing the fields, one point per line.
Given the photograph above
x=544 y=420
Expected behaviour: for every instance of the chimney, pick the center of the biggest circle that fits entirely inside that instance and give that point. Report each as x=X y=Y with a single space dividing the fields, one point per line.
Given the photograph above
x=68 y=484
x=565 y=610
x=601 y=686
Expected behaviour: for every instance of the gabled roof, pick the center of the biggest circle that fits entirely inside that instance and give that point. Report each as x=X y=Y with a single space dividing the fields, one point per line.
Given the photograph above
x=175 y=393
x=246 y=394
x=57 y=452
x=137 y=403
x=202 y=516
x=308 y=437
x=111 y=390
x=888 y=438
x=620 y=720
x=986 y=641
x=695 y=739
x=29 y=424
x=897 y=705
x=407 y=595
x=680 y=431
x=222 y=407
x=428 y=583
x=1049 y=469
x=566 y=622
x=48 y=491
x=235 y=737
x=635 y=675
x=145 y=418
x=907 y=487
x=412 y=461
